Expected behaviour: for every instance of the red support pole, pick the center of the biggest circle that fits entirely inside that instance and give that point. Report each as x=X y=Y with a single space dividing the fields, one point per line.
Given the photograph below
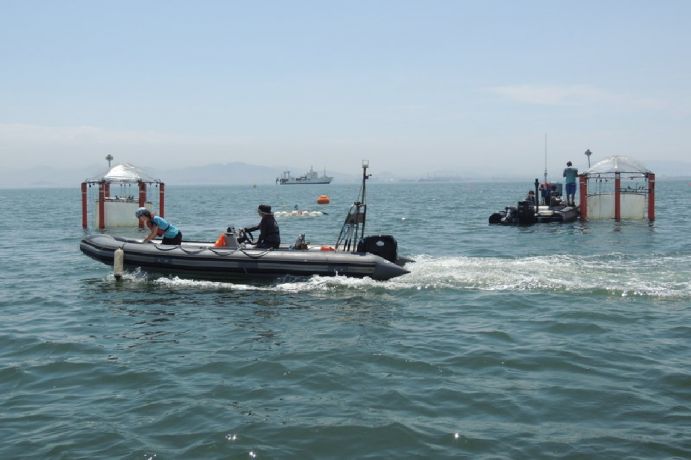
x=101 y=205
x=583 y=196
x=84 y=204
x=617 y=196
x=142 y=198
x=107 y=189
x=651 y=196
x=161 y=199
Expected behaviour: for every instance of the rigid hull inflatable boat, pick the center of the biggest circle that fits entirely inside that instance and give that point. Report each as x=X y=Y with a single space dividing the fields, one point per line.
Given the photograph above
x=230 y=257
x=205 y=260
x=527 y=213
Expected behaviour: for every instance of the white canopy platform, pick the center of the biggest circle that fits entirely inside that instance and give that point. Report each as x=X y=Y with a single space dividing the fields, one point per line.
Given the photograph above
x=124 y=172
x=120 y=191
x=617 y=164
x=617 y=188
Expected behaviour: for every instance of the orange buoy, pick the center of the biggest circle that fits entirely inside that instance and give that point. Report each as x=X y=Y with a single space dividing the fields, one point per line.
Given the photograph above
x=326 y=248
x=323 y=199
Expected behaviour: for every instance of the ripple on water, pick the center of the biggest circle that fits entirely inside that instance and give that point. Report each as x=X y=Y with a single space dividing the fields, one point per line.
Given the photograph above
x=551 y=341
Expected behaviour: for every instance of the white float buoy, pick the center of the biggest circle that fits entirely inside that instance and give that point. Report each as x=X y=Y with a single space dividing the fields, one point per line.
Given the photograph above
x=118 y=263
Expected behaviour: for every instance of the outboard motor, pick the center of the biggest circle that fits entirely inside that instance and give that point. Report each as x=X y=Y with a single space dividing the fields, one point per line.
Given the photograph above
x=384 y=246
x=510 y=215
x=526 y=213
x=495 y=218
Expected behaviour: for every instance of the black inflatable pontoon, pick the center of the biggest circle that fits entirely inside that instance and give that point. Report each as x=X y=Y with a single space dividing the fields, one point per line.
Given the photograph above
x=203 y=260
x=528 y=213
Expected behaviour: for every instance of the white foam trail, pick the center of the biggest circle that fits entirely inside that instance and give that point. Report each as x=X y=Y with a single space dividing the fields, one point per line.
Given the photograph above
x=311 y=284
x=612 y=274
x=615 y=274
x=176 y=282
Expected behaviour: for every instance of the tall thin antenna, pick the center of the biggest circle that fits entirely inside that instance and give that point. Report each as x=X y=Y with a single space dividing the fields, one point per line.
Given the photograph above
x=545 y=158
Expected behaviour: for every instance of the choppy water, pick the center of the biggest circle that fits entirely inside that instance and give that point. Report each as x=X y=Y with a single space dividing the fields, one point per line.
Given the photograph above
x=552 y=341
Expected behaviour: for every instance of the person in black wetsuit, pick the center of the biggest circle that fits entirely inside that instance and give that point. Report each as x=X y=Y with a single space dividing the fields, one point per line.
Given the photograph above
x=269 y=235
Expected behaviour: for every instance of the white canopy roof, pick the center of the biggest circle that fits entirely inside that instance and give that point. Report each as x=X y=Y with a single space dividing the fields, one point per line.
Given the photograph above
x=617 y=164
x=126 y=173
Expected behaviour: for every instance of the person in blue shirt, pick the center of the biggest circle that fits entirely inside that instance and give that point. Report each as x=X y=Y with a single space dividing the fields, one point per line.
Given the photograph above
x=159 y=227
x=570 y=173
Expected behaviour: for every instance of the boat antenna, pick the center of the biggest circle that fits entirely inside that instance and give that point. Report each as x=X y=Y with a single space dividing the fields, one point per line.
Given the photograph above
x=109 y=158
x=363 y=202
x=354 y=223
x=588 y=153
x=545 y=158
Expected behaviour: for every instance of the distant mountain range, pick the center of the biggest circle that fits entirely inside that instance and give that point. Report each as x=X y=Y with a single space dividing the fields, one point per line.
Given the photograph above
x=238 y=173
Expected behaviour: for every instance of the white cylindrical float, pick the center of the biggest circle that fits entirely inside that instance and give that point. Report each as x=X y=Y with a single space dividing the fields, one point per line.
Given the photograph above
x=118 y=263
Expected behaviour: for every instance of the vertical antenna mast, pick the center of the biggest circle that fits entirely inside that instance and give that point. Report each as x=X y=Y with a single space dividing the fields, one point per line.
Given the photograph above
x=355 y=220
x=362 y=204
x=545 y=158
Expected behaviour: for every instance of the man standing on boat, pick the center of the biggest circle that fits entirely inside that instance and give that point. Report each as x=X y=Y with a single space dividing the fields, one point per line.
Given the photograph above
x=570 y=173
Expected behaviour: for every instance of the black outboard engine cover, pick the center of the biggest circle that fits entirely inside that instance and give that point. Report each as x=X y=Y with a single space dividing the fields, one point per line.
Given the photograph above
x=526 y=213
x=384 y=246
x=496 y=217
x=510 y=216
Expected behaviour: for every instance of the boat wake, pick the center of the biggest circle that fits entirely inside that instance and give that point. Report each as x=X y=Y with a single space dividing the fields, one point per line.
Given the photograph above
x=614 y=274
x=611 y=275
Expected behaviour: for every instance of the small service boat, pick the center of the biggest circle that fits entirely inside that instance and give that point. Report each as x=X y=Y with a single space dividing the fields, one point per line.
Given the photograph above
x=527 y=212
x=232 y=256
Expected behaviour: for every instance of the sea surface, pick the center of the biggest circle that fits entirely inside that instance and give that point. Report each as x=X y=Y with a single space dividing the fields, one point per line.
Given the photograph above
x=551 y=341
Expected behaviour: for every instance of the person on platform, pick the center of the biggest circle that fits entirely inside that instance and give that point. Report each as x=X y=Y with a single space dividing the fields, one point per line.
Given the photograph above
x=570 y=174
x=545 y=193
x=269 y=234
x=530 y=198
x=159 y=227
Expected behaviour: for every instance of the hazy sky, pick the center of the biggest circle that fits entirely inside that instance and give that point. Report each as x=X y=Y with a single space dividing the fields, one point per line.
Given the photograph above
x=416 y=87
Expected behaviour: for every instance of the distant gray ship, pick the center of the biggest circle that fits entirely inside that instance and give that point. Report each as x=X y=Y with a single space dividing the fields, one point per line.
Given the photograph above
x=310 y=177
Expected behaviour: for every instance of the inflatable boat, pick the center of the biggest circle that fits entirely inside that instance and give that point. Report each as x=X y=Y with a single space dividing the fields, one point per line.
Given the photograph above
x=233 y=256
x=207 y=261
x=527 y=213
